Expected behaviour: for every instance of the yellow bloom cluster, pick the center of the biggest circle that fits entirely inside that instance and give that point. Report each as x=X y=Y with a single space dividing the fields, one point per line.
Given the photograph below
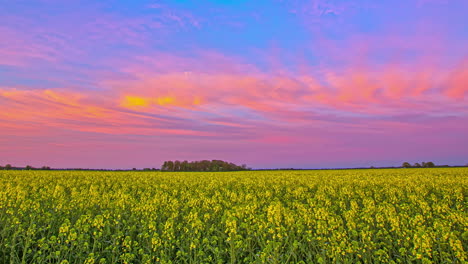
x=335 y=216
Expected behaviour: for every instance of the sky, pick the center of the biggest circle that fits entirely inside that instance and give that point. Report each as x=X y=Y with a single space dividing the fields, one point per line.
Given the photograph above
x=271 y=84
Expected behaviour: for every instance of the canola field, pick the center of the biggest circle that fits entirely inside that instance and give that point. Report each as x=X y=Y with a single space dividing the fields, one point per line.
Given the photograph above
x=335 y=216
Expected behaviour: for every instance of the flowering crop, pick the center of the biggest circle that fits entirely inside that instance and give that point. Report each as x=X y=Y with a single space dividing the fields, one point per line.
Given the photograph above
x=336 y=216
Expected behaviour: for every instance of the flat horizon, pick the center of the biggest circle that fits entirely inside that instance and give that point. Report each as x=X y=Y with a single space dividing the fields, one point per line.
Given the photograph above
x=272 y=84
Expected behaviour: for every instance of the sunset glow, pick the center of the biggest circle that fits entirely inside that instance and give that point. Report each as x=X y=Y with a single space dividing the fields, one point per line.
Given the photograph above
x=305 y=84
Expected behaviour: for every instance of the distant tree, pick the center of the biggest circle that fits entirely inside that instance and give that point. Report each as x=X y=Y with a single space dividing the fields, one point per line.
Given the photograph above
x=45 y=168
x=8 y=167
x=193 y=166
x=184 y=166
x=177 y=165
x=417 y=165
x=203 y=165
x=146 y=169
x=215 y=165
x=423 y=164
x=430 y=164
x=134 y=169
x=406 y=165
x=29 y=167
x=170 y=165
x=164 y=166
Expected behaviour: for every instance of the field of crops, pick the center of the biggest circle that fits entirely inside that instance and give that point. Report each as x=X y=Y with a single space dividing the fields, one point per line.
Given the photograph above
x=340 y=216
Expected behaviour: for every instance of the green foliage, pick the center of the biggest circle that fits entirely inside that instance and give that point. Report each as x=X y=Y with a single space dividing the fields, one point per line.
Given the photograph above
x=429 y=164
x=406 y=165
x=342 y=216
x=203 y=165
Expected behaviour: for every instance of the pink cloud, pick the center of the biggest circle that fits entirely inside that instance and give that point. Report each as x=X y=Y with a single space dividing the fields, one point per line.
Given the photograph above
x=457 y=83
x=17 y=47
x=156 y=89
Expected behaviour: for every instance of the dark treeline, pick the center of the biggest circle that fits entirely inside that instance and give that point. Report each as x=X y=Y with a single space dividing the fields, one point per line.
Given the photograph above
x=428 y=164
x=10 y=167
x=219 y=165
x=202 y=165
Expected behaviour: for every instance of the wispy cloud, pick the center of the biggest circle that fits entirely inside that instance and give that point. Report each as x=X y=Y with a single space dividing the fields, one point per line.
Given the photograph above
x=264 y=98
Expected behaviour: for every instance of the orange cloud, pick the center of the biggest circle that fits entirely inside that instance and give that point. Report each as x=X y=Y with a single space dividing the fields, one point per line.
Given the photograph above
x=145 y=99
x=91 y=112
x=135 y=101
x=359 y=88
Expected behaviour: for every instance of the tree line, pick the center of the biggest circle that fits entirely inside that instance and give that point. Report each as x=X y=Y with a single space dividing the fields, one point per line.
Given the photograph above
x=428 y=164
x=28 y=167
x=202 y=165
x=213 y=165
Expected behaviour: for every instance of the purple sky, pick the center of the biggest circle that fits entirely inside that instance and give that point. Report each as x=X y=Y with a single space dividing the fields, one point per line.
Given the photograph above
x=305 y=84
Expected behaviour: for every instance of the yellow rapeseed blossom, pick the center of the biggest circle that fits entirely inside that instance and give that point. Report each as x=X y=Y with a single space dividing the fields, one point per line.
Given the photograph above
x=342 y=216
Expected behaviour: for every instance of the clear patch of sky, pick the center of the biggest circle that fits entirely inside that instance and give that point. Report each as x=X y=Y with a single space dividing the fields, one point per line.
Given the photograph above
x=240 y=28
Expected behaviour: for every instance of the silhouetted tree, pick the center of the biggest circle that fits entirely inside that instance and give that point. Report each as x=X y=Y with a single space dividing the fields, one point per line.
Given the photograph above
x=164 y=166
x=29 y=167
x=203 y=165
x=45 y=168
x=8 y=167
x=430 y=164
x=417 y=165
x=406 y=165
x=184 y=166
x=170 y=165
x=177 y=165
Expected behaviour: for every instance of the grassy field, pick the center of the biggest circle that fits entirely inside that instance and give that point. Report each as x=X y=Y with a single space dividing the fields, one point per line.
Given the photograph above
x=335 y=216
